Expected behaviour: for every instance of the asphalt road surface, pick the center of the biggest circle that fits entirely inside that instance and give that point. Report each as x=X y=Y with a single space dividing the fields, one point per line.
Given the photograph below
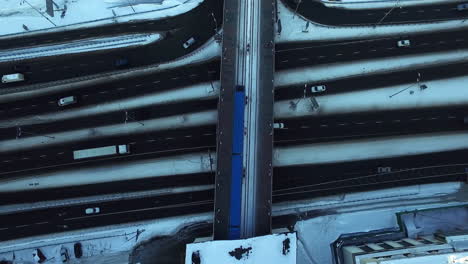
x=319 y=13
x=181 y=29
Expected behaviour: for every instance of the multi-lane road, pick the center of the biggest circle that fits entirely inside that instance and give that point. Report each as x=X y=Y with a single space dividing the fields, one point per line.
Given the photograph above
x=290 y=183
x=175 y=32
x=319 y=13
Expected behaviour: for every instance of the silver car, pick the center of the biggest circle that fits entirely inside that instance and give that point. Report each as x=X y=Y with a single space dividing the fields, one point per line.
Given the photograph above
x=189 y=42
x=404 y=43
x=318 y=88
x=67 y=101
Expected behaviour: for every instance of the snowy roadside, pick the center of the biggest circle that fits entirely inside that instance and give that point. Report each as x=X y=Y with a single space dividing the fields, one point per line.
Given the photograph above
x=30 y=16
x=376 y=4
x=102 y=243
x=295 y=28
x=79 y=46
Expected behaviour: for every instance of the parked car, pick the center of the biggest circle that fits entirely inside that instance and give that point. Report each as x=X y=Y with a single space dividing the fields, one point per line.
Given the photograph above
x=94 y=210
x=189 y=42
x=78 y=250
x=121 y=63
x=14 y=77
x=462 y=7
x=404 y=43
x=318 y=88
x=64 y=254
x=67 y=101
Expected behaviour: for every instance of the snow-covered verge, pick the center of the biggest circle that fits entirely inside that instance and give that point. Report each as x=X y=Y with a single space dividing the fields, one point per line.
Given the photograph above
x=271 y=249
x=436 y=93
x=80 y=46
x=98 y=244
x=295 y=28
x=356 y=212
x=363 y=212
x=375 y=4
x=20 y=16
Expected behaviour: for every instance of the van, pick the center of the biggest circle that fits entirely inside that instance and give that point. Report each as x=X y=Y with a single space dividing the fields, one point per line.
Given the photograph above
x=14 y=77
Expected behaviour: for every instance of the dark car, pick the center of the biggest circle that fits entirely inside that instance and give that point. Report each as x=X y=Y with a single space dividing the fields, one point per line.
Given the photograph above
x=462 y=7
x=121 y=63
x=78 y=250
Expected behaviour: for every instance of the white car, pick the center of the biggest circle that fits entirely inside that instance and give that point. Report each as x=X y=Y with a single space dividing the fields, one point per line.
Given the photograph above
x=67 y=101
x=94 y=210
x=404 y=43
x=189 y=42
x=14 y=77
x=318 y=88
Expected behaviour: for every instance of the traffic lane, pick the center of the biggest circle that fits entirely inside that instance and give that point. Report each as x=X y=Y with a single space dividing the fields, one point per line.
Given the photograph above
x=67 y=213
x=318 y=12
x=74 y=65
x=178 y=209
x=80 y=191
x=369 y=125
x=142 y=146
x=146 y=26
x=114 y=90
x=123 y=116
x=409 y=77
x=290 y=183
x=313 y=55
x=301 y=182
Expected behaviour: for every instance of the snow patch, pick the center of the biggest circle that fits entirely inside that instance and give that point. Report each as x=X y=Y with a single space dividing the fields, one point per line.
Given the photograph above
x=20 y=16
x=272 y=249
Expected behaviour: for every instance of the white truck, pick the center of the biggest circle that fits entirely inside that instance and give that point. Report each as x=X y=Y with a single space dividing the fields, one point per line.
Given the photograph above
x=14 y=77
x=100 y=152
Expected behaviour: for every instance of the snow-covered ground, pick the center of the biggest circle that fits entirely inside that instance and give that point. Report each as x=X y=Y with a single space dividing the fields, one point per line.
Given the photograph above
x=365 y=149
x=443 y=92
x=271 y=249
x=348 y=213
x=79 y=46
x=99 y=243
x=363 y=212
x=374 y=4
x=295 y=28
x=15 y=15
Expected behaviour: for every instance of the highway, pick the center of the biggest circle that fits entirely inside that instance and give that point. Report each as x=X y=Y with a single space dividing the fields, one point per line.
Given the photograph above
x=65 y=67
x=151 y=141
x=319 y=13
x=353 y=83
x=299 y=55
x=290 y=183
